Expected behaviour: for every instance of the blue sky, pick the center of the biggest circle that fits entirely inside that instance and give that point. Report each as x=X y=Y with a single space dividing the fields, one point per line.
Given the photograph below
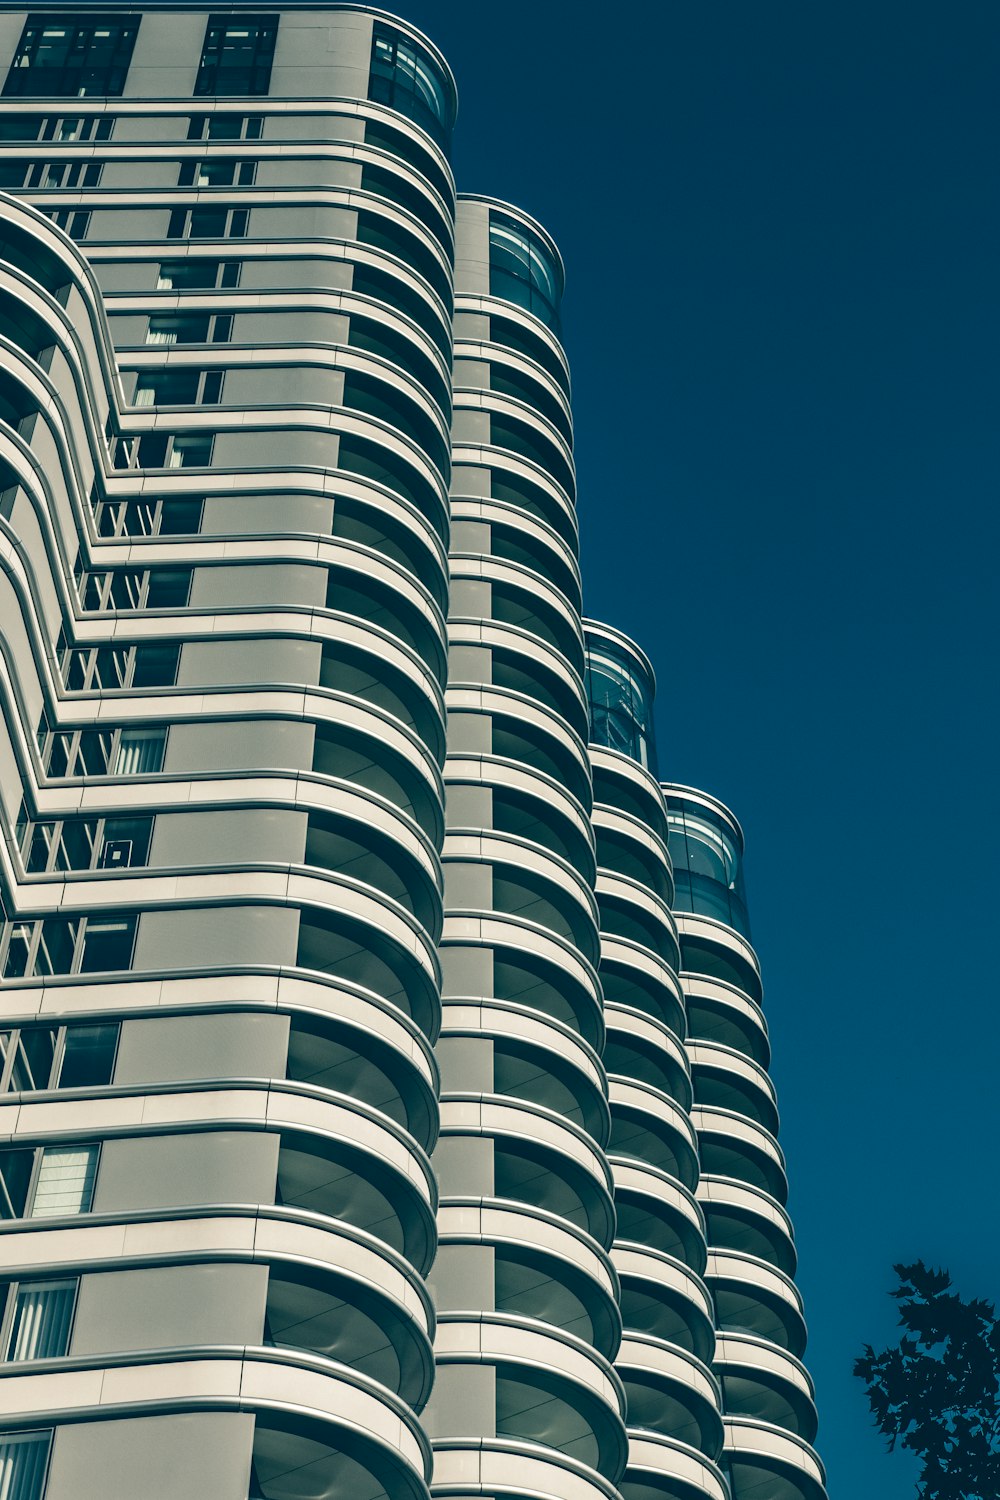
x=780 y=222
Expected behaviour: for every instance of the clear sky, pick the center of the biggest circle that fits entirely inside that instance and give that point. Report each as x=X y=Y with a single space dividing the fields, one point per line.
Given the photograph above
x=780 y=221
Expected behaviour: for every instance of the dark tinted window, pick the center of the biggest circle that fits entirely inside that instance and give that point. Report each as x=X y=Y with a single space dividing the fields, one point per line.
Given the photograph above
x=237 y=55
x=406 y=78
x=73 y=55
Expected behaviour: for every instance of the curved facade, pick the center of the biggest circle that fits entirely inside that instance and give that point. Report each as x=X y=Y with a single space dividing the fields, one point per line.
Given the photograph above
x=383 y=1112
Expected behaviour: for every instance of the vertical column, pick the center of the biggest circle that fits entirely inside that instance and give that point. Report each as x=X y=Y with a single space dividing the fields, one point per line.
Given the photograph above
x=526 y=1398
x=674 y=1401
x=770 y=1420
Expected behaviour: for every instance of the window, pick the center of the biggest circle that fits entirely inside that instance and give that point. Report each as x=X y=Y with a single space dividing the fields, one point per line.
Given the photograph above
x=404 y=76
x=100 y=752
x=48 y=845
x=36 y=947
x=191 y=450
x=24 y=1458
x=65 y=1181
x=226 y=173
x=37 y=1318
x=237 y=55
x=178 y=328
x=220 y=127
x=129 y=588
x=118 y=518
x=92 y=669
x=64 y=174
x=139 y=752
x=208 y=224
x=72 y=55
x=178 y=388
x=74 y=223
x=197 y=275
x=523 y=271
x=42 y=1182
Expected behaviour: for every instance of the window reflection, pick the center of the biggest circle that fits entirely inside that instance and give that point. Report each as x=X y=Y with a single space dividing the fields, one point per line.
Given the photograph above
x=708 y=865
x=621 y=702
x=522 y=270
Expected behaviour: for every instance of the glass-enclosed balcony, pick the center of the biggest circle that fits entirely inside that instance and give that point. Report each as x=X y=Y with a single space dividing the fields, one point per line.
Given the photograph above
x=620 y=688
x=706 y=847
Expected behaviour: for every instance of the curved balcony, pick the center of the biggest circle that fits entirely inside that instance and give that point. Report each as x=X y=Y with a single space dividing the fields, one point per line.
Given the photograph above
x=748 y=1220
x=662 y=1297
x=354 y=1429
x=655 y=1211
x=752 y=1297
x=670 y=1391
x=533 y=1058
x=730 y=1145
x=525 y=804
x=534 y=884
x=719 y=1012
x=494 y=1466
x=643 y=1049
x=539 y=1158
x=551 y=1388
x=624 y=786
x=663 y=1468
x=765 y=1383
x=545 y=1268
x=725 y=1078
x=531 y=968
x=648 y=1126
x=635 y=977
x=765 y=1460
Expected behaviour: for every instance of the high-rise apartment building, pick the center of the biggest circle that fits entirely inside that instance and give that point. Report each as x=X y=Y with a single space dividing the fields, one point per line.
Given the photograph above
x=384 y=1097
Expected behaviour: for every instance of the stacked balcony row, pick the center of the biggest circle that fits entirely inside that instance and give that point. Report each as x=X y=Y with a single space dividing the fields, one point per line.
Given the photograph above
x=222 y=689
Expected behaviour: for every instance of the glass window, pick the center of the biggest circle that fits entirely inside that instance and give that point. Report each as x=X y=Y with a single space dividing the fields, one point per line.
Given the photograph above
x=621 y=702
x=708 y=865
x=185 y=275
x=24 y=1458
x=40 y=1314
x=405 y=77
x=15 y=1179
x=140 y=752
x=88 y=1057
x=73 y=55
x=523 y=271
x=178 y=328
x=65 y=1181
x=237 y=55
x=107 y=944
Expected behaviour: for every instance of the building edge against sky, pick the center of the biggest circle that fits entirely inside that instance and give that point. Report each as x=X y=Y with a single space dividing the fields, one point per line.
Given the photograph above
x=385 y=1095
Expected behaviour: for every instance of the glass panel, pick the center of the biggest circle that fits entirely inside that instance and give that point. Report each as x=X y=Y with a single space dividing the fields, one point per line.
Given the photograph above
x=24 y=1457
x=32 y=1067
x=107 y=944
x=17 y=951
x=621 y=702
x=88 y=1056
x=65 y=1182
x=43 y=1312
x=140 y=751
x=56 y=946
x=15 y=1177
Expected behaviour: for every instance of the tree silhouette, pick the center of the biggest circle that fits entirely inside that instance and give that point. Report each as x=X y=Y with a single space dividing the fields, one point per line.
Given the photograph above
x=937 y=1392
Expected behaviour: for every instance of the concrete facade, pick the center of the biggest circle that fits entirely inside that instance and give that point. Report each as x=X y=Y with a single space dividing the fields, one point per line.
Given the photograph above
x=380 y=1114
